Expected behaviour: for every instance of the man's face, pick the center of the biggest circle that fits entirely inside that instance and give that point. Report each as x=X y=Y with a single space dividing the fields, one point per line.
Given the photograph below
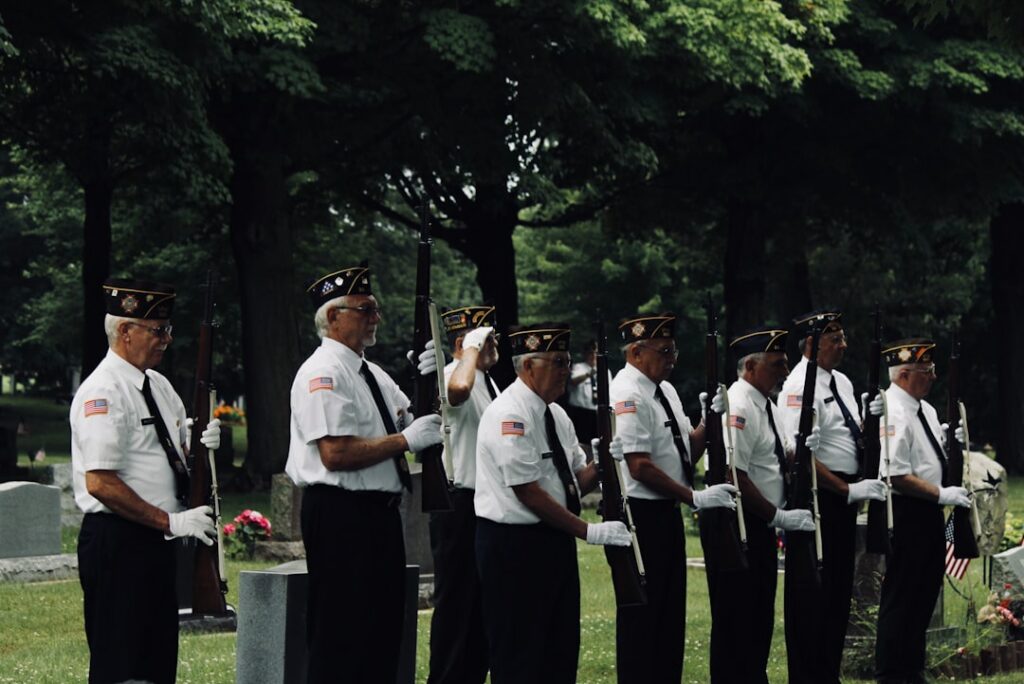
x=831 y=348
x=488 y=355
x=918 y=379
x=145 y=342
x=655 y=358
x=548 y=373
x=767 y=373
x=356 y=323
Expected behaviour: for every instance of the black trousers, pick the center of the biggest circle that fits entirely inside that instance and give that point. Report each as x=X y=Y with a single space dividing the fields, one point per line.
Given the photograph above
x=127 y=572
x=458 y=644
x=531 y=602
x=650 y=639
x=355 y=556
x=910 y=588
x=743 y=610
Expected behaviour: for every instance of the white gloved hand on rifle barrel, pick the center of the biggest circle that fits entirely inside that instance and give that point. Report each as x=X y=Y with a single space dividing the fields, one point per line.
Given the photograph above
x=614 y=533
x=796 y=520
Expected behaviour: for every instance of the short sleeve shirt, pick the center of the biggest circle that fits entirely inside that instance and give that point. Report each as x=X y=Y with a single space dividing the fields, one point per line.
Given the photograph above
x=329 y=397
x=910 y=450
x=512 y=449
x=464 y=420
x=582 y=395
x=753 y=440
x=643 y=426
x=112 y=429
x=838 y=451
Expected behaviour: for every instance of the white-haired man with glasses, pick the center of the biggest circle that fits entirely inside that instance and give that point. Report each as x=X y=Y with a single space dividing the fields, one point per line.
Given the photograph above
x=129 y=453
x=350 y=429
x=530 y=475
x=660 y=445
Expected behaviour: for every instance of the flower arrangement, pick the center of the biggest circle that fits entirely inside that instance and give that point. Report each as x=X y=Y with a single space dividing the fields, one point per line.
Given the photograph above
x=229 y=415
x=1002 y=610
x=240 y=538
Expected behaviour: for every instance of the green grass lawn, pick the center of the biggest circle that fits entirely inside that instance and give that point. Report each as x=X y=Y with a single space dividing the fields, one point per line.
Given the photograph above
x=42 y=638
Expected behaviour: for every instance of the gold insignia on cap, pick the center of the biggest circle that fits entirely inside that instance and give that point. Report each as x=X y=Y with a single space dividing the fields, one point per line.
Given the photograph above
x=532 y=343
x=638 y=329
x=129 y=303
x=905 y=354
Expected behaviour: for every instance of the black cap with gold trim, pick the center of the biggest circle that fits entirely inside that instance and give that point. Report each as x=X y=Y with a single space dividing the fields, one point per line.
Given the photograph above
x=825 y=320
x=458 y=321
x=910 y=350
x=759 y=341
x=539 y=337
x=354 y=280
x=132 y=298
x=647 y=327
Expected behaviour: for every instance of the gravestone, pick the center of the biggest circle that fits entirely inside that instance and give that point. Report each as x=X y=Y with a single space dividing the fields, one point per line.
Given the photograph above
x=416 y=525
x=285 y=508
x=271 y=645
x=29 y=520
x=1008 y=568
x=70 y=513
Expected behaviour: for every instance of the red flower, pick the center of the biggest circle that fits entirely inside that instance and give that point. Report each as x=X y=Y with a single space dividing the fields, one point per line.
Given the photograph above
x=229 y=529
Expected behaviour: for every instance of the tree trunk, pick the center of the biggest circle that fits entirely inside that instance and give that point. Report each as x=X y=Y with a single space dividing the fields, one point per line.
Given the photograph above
x=99 y=194
x=262 y=243
x=1007 y=242
x=744 y=274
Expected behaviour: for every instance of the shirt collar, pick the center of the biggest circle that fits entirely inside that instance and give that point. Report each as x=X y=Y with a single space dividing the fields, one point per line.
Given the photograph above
x=120 y=366
x=899 y=394
x=527 y=396
x=755 y=394
x=645 y=383
x=345 y=354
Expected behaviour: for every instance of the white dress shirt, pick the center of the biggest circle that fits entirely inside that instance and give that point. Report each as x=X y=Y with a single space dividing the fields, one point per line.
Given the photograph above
x=642 y=424
x=753 y=440
x=464 y=421
x=329 y=397
x=512 y=449
x=837 y=451
x=910 y=451
x=107 y=433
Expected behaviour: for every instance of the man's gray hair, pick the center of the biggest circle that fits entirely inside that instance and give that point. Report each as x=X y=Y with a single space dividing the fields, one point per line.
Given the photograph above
x=518 y=359
x=894 y=371
x=112 y=325
x=741 y=365
x=320 y=318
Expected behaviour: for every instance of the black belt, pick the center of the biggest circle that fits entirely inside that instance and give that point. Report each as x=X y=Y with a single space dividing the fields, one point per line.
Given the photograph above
x=653 y=503
x=366 y=496
x=846 y=477
x=463 y=490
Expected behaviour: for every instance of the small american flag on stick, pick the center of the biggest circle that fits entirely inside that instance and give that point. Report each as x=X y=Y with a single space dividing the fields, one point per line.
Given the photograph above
x=955 y=567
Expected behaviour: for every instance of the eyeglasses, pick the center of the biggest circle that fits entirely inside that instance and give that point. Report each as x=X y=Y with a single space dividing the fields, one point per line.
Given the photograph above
x=929 y=370
x=158 y=330
x=837 y=339
x=365 y=310
x=664 y=351
x=557 y=362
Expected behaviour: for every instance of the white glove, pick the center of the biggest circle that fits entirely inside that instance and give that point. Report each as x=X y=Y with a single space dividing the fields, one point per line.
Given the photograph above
x=426 y=363
x=796 y=520
x=717 y=402
x=876 y=408
x=476 y=337
x=614 y=447
x=609 y=534
x=423 y=432
x=875 y=490
x=195 y=522
x=813 y=440
x=954 y=496
x=959 y=434
x=715 y=496
x=211 y=435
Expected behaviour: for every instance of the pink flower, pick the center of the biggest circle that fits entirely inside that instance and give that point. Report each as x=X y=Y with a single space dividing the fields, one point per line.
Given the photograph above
x=229 y=529
x=263 y=522
x=256 y=515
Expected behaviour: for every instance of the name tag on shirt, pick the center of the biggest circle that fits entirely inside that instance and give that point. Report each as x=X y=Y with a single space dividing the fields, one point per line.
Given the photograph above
x=547 y=454
x=149 y=421
x=829 y=400
x=669 y=423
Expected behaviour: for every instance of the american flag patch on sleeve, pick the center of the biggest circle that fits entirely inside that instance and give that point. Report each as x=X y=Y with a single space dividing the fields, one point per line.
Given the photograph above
x=324 y=383
x=738 y=422
x=625 y=407
x=513 y=427
x=794 y=400
x=95 y=407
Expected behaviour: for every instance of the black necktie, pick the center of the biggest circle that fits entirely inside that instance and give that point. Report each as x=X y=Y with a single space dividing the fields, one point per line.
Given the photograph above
x=389 y=424
x=677 y=436
x=180 y=471
x=851 y=424
x=780 y=453
x=490 y=386
x=572 y=497
x=934 y=442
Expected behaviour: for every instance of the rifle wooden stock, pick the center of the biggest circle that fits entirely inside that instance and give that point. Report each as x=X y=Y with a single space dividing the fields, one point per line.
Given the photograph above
x=878 y=539
x=724 y=547
x=435 y=486
x=802 y=557
x=626 y=562
x=965 y=543
x=208 y=588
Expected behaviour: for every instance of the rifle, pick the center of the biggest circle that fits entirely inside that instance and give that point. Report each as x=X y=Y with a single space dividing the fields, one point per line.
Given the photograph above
x=723 y=547
x=965 y=541
x=209 y=582
x=436 y=494
x=879 y=532
x=442 y=388
x=627 y=564
x=803 y=474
